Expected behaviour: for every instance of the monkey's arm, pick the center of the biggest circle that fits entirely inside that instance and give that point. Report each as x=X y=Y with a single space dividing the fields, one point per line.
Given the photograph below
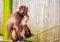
x=15 y=26
x=24 y=20
x=9 y=25
x=26 y=17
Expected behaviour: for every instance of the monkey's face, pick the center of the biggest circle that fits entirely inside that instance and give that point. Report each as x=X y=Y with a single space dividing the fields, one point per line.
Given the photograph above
x=23 y=10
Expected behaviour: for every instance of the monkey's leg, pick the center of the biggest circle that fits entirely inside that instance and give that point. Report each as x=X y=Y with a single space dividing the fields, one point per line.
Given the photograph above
x=23 y=32
x=19 y=35
x=13 y=35
x=27 y=32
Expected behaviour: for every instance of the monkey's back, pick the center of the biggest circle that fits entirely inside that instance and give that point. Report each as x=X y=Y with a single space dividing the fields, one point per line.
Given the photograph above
x=14 y=18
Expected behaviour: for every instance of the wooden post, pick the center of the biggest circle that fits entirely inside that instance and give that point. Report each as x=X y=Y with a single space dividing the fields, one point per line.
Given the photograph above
x=7 y=12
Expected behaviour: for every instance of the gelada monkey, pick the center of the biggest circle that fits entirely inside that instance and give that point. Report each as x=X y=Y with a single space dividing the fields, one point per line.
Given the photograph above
x=16 y=24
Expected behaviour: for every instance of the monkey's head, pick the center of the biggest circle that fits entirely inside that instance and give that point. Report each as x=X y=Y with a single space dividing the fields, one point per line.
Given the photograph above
x=23 y=10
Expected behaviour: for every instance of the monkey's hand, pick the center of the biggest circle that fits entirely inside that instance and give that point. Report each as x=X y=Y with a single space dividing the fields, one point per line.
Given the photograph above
x=15 y=27
x=23 y=23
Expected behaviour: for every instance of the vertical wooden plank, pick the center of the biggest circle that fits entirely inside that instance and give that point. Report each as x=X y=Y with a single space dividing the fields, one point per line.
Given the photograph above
x=7 y=12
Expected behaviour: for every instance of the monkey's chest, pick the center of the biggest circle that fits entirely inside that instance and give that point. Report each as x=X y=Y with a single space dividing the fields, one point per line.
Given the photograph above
x=23 y=22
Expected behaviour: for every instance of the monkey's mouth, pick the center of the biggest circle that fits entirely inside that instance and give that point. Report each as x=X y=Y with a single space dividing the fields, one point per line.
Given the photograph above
x=22 y=12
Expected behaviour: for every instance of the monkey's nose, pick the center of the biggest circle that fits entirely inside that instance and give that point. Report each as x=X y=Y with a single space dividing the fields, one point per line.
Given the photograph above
x=21 y=11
